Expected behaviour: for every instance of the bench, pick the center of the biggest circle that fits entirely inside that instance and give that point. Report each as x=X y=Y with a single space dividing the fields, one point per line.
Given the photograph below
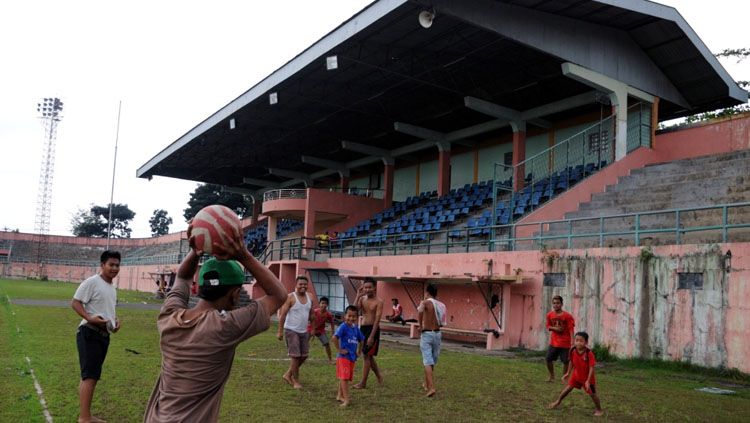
x=491 y=338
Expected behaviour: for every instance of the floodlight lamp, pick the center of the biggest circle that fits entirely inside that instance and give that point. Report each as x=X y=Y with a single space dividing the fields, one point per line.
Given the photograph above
x=426 y=17
x=332 y=62
x=231 y=123
x=273 y=98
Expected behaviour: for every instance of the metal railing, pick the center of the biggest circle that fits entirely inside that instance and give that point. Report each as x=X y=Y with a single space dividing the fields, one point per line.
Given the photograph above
x=559 y=167
x=674 y=226
x=361 y=192
x=280 y=194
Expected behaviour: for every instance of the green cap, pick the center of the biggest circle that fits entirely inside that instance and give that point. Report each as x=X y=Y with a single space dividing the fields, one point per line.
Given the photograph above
x=216 y=272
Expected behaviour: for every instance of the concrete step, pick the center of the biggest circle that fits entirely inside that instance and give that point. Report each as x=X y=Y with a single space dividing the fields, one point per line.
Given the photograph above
x=654 y=204
x=633 y=181
x=700 y=161
x=699 y=194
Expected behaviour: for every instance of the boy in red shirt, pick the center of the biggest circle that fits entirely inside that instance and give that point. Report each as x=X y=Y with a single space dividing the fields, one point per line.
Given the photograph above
x=582 y=363
x=317 y=327
x=561 y=324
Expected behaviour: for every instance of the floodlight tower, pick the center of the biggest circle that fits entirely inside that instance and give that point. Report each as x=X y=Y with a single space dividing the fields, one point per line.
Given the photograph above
x=50 y=113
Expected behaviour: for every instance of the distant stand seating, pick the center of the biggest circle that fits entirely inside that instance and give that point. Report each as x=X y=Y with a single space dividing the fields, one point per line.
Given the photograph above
x=257 y=236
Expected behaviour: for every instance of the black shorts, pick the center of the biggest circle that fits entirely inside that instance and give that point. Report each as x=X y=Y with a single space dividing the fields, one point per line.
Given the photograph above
x=366 y=331
x=92 y=350
x=554 y=352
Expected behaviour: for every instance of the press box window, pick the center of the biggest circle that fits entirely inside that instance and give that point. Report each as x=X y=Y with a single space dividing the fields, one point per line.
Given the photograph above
x=687 y=280
x=554 y=279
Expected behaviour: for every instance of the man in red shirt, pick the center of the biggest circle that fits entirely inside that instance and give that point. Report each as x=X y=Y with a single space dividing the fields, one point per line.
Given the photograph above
x=560 y=323
x=582 y=364
x=317 y=327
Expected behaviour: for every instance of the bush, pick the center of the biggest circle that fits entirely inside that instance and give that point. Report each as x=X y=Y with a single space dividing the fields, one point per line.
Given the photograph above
x=601 y=352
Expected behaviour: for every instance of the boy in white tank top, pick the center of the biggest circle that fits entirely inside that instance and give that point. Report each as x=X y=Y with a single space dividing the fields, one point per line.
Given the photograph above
x=295 y=315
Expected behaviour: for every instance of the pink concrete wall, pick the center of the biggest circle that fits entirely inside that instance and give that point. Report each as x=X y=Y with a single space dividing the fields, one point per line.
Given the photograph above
x=352 y=207
x=131 y=277
x=625 y=302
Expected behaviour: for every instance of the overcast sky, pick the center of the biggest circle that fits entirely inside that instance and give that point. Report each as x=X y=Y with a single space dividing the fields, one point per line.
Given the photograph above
x=172 y=63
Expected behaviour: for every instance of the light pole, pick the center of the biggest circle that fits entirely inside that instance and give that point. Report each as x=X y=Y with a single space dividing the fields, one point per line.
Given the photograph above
x=50 y=113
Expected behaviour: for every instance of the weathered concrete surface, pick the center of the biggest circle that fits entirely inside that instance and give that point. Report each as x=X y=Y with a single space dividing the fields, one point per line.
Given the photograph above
x=629 y=300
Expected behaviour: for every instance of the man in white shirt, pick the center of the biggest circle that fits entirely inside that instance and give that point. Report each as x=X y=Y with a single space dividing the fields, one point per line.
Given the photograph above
x=95 y=301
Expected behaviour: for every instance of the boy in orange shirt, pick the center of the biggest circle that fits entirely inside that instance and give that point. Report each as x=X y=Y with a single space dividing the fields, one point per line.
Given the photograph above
x=560 y=323
x=582 y=363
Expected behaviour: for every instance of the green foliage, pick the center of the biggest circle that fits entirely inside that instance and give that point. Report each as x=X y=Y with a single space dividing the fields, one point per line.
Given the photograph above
x=93 y=222
x=159 y=222
x=601 y=352
x=739 y=53
x=208 y=194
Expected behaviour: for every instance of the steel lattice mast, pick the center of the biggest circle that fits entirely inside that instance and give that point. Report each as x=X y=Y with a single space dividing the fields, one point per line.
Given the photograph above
x=50 y=112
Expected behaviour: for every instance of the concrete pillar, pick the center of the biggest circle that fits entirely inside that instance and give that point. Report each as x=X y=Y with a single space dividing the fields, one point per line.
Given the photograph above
x=444 y=170
x=388 y=184
x=344 y=183
x=257 y=208
x=654 y=121
x=271 y=234
x=619 y=98
x=519 y=154
x=309 y=229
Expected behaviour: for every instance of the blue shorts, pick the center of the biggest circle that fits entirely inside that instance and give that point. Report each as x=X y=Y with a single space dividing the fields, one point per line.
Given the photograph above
x=429 y=344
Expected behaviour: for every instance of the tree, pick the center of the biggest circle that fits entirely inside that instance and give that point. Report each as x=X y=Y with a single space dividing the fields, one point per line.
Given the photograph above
x=740 y=54
x=93 y=222
x=208 y=194
x=160 y=222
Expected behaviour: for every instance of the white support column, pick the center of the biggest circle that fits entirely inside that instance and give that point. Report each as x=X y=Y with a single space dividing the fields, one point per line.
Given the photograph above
x=618 y=94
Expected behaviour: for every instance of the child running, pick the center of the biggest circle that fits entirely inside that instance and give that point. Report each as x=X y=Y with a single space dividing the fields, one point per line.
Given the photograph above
x=317 y=327
x=348 y=341
x=582 y=363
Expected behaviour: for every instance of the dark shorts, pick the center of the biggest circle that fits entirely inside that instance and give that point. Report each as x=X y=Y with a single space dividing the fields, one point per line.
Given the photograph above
x=581 y=385
x=554 y=352
x=297 y=344
x=373 y=350
x=92 y=350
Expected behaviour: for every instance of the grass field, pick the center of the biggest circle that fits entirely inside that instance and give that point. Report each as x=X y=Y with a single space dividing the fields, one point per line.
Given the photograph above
x=470 y=387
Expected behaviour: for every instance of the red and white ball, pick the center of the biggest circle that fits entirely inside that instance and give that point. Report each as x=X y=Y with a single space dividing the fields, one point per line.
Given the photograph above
x=214 y=224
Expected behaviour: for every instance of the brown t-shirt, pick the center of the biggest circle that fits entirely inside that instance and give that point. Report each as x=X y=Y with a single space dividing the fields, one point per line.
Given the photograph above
x=197 y=356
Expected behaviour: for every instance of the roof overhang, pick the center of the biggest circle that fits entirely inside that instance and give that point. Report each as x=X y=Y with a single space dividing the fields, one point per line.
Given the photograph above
x=394 y=74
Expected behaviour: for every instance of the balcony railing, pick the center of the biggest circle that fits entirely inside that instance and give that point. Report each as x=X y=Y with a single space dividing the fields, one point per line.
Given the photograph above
x=285 y=194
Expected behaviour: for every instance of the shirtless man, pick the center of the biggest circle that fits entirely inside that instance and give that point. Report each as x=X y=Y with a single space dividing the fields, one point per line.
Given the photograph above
x=371 y=308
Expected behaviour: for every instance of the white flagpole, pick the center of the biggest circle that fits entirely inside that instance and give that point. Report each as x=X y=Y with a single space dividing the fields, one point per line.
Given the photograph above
x=114 y=166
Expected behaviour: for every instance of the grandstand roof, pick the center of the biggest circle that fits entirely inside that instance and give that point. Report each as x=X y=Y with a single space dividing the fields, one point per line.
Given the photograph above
x=390 y=69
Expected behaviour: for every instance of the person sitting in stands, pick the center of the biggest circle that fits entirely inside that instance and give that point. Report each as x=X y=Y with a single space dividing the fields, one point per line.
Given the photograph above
x=323 y=239
x=398 y=313
x=333 y=241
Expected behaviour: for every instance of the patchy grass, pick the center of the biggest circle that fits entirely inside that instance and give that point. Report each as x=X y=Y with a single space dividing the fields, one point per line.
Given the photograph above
x=470 y=387
x=56 y=290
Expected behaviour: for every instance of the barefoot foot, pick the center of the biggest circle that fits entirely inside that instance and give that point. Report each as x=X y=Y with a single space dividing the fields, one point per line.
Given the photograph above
x=359 y=386
x=430 y=393
x=553 y=405
x=344 y=404
x=287 y=379
x=599 y=413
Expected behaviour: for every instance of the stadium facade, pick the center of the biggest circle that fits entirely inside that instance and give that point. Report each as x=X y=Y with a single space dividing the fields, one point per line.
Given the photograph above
x=507 y=151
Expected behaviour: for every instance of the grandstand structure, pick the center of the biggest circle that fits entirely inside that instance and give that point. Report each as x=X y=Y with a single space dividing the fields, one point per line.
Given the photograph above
x=508 y=153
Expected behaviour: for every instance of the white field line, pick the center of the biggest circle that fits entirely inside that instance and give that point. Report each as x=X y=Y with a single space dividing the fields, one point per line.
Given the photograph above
x=38 y=387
